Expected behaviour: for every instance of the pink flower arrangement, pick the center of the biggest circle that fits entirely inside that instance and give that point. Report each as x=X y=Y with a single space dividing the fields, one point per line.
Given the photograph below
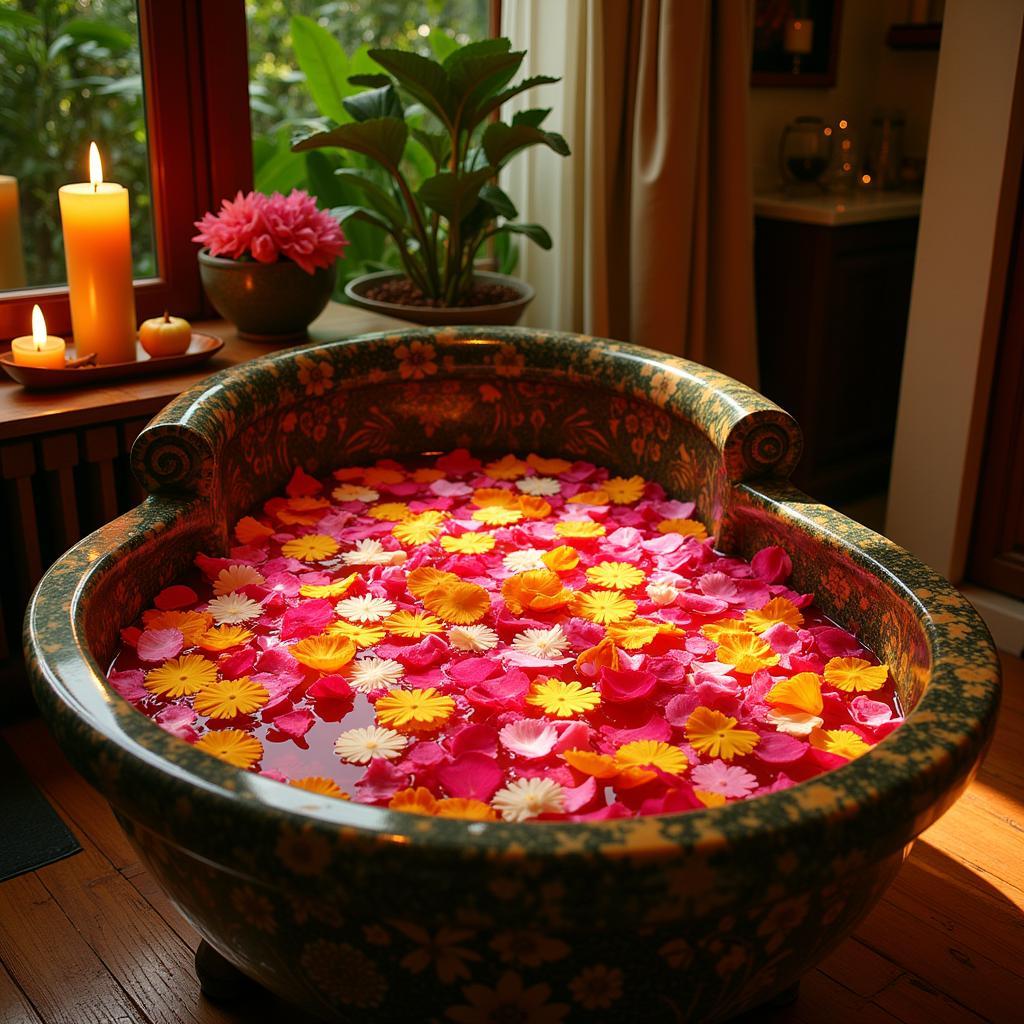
x=273 y=227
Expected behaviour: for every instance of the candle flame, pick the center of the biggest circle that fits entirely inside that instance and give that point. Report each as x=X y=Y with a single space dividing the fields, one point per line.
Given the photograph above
x=95 y=166
x=38 y=329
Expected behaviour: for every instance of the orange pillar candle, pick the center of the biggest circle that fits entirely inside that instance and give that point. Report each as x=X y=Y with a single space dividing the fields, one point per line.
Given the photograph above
x=12 y=265
x=39 y=348
x=98 y=252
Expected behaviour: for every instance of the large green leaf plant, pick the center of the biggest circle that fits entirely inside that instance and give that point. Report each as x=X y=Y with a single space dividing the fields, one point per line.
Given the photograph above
x=428 y=148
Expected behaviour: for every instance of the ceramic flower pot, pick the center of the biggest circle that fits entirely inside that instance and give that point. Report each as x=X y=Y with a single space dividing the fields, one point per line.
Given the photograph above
x=501 y=314
x=360 y=913
x=266 y=301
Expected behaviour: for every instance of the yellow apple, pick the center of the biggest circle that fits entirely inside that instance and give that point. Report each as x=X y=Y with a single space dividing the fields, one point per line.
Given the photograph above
x=165 y=335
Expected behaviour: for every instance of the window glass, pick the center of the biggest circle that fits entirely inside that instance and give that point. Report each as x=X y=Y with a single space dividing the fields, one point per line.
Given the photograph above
x=301 y=53
x=70 y=73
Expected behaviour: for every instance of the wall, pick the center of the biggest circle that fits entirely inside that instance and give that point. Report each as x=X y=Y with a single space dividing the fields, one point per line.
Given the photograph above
x=871 y=75
x=959 y=280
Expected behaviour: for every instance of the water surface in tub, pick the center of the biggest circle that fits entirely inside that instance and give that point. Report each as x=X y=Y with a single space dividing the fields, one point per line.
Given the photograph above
x=523 y=638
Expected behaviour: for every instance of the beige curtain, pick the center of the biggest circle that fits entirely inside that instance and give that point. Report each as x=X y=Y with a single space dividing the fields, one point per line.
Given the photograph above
x=653 y=213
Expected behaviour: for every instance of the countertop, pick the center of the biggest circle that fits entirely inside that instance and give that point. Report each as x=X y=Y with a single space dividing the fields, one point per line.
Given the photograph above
x=834 y=209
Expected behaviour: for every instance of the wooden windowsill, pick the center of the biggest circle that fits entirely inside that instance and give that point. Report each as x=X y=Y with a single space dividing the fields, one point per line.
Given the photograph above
x=24 y=413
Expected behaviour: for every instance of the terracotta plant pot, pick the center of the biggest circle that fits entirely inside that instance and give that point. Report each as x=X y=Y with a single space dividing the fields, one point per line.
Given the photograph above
x=266 y=301
x=500 y=314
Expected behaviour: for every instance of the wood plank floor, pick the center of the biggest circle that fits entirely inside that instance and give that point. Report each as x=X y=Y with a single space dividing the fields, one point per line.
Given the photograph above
x=92 y=939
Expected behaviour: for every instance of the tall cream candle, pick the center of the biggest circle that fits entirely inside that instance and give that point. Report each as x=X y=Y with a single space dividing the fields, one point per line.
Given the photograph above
x=12 y=263
x=98 y=253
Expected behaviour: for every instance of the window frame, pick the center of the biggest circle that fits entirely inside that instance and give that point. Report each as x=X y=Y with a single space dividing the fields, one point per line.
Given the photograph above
x=195 y=78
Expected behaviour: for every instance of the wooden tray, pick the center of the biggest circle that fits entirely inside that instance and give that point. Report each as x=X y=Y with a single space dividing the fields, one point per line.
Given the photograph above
x=203 y=347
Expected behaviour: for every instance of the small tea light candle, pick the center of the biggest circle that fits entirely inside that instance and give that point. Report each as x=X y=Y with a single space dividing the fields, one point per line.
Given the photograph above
x=39 y=349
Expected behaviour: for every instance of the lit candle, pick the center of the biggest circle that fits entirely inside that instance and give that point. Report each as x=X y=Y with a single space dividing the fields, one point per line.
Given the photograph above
x=98 y=252
x=39 y=349
x=798 y=36
x=12 y=264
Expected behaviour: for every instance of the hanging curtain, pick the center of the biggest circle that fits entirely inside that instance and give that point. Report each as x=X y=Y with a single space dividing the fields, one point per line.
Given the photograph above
x=652 y=215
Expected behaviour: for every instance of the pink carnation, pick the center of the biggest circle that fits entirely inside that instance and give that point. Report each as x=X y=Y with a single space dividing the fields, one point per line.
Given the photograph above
x=274 y=227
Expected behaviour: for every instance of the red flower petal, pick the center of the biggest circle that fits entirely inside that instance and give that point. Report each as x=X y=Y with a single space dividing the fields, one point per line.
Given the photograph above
x=302 y=485
x=172 y=598
x=296 y=723
x=330 y=687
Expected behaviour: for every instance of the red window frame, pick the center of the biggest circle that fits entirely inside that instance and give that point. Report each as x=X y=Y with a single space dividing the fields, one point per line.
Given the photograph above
x=196 y=77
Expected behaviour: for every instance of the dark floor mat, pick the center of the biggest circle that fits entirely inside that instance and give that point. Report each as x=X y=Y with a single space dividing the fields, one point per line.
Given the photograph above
x=31 y=832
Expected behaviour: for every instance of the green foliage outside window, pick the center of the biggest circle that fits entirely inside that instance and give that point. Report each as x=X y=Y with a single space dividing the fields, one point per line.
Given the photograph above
x=69 y=75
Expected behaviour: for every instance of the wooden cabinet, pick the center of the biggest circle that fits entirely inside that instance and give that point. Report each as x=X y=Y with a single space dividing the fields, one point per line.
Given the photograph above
x=832 y=305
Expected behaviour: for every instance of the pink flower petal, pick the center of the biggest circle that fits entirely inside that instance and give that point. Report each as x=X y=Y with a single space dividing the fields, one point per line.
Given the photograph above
x=780 y=748
x=159 y=644
x=578 y=797
x=309 y=618
x=473 y=776
x=622 y=687
x=129 y=684
x=772 y=565
x=869 y=712
x=471 y=671
x=381 y=781
x=480 y=739
x=655 y=728
x=178 y=720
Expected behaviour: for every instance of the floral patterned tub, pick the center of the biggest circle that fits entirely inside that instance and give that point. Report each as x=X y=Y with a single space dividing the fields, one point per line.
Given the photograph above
x=360 y=913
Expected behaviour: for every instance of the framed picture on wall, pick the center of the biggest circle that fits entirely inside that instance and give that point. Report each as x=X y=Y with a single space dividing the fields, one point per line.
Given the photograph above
x=796 y=42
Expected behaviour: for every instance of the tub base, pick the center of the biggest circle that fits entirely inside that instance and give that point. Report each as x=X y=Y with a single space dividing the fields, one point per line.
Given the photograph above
x=219 y=980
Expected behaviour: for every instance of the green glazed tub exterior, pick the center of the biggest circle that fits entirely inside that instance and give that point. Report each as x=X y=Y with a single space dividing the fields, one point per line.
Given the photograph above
x=360 y=913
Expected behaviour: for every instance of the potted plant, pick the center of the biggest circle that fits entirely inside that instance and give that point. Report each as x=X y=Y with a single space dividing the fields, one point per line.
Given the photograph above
x=268 y=262
x=440 y=223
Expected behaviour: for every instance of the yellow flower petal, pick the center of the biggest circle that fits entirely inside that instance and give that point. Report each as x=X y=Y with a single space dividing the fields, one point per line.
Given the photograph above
x=603 y=606
x=419 y=710
x=231 y=697
x=802 y=693
x=841 y=742
x=181 y=677
x=325 y=652
x=413 y=625
x=779 y=609
x=615 y=575
x=468 y=543
x=685 y=527
x=651 y=753
x=855 y=675
x=712 y=733
x=311 y=548
x=328 y=590
x=623 y=490
x=746 y=652
x=232 y=745
x=562 y=699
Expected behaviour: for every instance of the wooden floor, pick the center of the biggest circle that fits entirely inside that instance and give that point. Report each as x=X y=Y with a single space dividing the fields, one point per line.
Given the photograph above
x=91 y=938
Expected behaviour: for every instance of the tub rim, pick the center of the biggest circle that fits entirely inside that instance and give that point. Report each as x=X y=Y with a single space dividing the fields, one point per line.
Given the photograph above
x=919 y=768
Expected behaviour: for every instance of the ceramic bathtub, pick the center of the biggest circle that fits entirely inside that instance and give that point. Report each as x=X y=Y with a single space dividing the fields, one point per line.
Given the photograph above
x=359 y=913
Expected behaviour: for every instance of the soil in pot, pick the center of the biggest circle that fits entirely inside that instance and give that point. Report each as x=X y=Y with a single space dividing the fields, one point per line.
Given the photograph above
x=403 y=292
